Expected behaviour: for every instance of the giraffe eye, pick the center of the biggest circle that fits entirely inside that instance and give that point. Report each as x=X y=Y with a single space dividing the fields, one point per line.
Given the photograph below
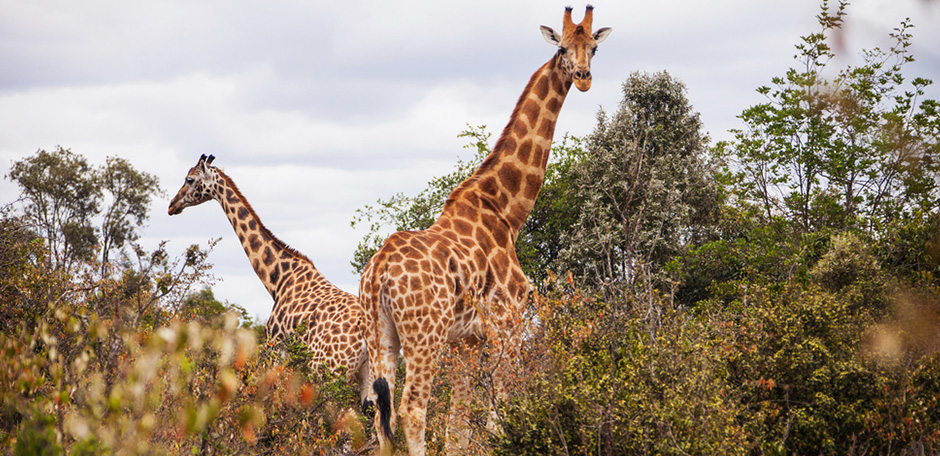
x=561 y=50
x=594 y=51
x=190 y=180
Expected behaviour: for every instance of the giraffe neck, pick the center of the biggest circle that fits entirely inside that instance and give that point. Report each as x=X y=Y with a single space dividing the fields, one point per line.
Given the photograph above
x=510 y=178
x=266 y=253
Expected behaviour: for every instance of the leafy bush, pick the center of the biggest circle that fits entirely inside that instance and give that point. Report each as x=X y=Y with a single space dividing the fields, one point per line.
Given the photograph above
x=131 y=361
x=184 y=387
x=601 y=381
x=848 y=261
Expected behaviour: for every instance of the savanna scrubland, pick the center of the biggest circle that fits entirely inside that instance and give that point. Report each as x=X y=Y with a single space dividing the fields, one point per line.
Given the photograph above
x=771 y=294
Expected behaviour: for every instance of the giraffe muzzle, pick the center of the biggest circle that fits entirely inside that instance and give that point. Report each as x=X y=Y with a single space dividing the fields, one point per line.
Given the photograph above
x=582 y=80
x=174 y=209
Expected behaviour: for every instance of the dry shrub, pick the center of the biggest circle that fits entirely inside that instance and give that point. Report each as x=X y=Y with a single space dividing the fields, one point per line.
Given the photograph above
x=102 y=362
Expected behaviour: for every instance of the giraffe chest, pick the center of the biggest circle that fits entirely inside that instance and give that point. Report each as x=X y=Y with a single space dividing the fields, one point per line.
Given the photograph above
x=491 y=295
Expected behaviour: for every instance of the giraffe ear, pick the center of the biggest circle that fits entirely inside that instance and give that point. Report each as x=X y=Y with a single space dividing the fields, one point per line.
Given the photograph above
x=550 y=35
x=601 y=34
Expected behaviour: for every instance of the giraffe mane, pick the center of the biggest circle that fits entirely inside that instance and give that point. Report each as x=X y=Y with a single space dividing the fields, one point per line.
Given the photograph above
x=261 y=227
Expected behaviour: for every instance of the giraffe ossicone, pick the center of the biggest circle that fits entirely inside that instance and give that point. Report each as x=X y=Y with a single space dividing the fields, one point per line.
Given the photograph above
x=423 y=289
x=302 y=296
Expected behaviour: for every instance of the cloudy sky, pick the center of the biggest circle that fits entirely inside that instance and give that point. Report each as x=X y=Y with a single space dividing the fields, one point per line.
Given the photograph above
x=317 y=108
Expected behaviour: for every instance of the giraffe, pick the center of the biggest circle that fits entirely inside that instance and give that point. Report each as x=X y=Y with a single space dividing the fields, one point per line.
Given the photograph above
x=423 y=289
x=301 y=294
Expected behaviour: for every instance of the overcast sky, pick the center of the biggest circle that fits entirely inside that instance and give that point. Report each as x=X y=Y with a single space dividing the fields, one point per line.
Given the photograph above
x=317 y=108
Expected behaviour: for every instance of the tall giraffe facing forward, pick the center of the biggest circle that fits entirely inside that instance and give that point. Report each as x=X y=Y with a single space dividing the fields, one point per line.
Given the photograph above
x=301 y=294
x=422 y=289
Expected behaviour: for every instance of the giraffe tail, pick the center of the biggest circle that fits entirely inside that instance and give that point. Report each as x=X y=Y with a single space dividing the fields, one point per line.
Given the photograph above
x=384 y=405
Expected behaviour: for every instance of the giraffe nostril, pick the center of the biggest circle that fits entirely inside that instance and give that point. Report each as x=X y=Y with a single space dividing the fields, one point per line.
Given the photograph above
x=582 y=75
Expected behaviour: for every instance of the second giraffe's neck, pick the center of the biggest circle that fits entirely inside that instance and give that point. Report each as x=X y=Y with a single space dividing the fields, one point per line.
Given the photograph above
x=510 y=178
x=265 y=252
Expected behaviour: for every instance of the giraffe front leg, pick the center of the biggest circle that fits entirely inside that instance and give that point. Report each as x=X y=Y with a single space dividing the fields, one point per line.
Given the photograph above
x=506 y=352
x=458 y=419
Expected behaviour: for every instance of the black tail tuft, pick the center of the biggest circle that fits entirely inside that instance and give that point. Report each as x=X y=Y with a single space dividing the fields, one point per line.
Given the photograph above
x=384 y=404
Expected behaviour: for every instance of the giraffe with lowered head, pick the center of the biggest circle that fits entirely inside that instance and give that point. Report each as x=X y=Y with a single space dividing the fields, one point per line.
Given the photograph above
x=424 y=289
x=301 y=294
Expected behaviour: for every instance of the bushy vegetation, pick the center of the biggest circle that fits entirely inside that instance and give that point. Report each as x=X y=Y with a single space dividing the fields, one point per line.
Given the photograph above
x=137 y=356
x=773 y=294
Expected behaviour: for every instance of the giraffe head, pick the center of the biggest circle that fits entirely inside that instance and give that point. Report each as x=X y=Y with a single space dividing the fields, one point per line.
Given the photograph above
x=576 y=46
x=195 y=190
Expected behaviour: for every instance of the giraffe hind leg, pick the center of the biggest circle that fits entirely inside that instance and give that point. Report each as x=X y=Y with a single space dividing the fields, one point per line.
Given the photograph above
x=383 y=360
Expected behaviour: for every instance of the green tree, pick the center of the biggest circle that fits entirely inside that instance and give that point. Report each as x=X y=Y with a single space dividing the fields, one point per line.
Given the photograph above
x=130 y=194
x=645 y=189
x=855 y=152
x=63 y=197
x=60 y=198
x=850 y=152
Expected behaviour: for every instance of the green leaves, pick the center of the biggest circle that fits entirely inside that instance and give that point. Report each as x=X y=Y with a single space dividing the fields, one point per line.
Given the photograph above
x=608 y=382
x=643 y=190
x=62 y=198
x=130 y=191
x=839 y=153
